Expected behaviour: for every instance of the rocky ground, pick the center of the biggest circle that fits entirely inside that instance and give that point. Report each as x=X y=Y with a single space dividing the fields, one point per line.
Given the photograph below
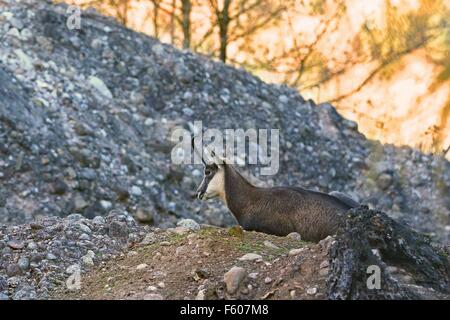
x=210 y=263
x=40 y=256
x=86 y=117
x=85 y=123
x=118 y=259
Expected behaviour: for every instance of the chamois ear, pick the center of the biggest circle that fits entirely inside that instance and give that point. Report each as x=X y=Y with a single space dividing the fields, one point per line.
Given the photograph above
x=219 y=161
x=196 y=150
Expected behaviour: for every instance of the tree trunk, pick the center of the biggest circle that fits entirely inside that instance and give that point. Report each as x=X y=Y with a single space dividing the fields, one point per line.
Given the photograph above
x=172 y=22
x=155 y=18
x=352 y=253
x=186 y=7
x=224 y=21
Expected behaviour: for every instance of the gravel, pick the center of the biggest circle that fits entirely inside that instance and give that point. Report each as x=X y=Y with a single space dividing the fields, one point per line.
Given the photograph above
x=39 y=264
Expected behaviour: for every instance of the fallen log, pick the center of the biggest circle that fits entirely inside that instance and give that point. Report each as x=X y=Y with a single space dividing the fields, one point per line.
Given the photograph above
x=368 y=242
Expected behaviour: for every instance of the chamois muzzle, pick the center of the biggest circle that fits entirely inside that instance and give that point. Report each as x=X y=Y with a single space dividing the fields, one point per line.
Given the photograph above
x=200 y=195
x=201 y=190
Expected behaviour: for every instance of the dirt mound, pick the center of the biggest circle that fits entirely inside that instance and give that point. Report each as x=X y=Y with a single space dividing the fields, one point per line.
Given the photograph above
x=191 y=265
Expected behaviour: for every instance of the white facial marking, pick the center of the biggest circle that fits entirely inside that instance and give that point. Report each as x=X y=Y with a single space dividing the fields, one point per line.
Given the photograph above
x=216 y=187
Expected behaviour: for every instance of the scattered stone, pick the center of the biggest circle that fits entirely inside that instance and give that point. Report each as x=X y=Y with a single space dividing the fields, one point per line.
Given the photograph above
x=24 y=263
x=153 y=296
x=294 y=236
x=142 y=266
x=51 y=256
x=267 y=280
x=294 y=252
x=136 y=191
x=13 y=270
x=132 y=253
x=200 y=295
x=118 y=230
x=384 y=181
x=270 y=245
x=88 y=258
x=311 y=291
x=32 y=246
x=253 y=275
x=106 y=205
x=250 y=257
x=99 y=221
x=189 y=223
x=323 y=272
x=80 y=203
x=149 y=238
x=15 y=244
x=233 y=278
x=145 y=215
x=24 y=59
x=100 y=86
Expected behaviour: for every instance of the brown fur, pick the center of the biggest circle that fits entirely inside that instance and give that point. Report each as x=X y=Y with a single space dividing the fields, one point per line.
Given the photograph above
x=279 y=210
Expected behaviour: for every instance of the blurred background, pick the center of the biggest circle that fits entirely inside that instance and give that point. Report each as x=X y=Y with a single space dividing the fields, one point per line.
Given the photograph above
x=382 y=63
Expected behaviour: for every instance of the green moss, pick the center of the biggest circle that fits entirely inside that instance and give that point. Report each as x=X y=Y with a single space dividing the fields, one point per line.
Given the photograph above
x=236 y=231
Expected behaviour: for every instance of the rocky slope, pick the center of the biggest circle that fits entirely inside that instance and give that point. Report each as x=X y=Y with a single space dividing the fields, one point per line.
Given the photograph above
x=85 y=121
x=115 y=258
x=86 y=116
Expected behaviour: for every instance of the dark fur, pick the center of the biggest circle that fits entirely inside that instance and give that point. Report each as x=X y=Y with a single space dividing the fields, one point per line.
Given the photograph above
x=282 y=210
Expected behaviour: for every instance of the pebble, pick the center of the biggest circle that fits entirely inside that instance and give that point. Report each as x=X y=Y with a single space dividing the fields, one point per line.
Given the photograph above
x=51 y=256
x=132 y=254
x=250 y=257
x=87 y=261
x=24 y=59
x=294 y=252
x=136 y=191
x=233 y=278
x=149 y=238
x=384 y=181
x=24 y=263
x=144 y=215
x=153 y=296
x=99 y=220
x=200 y=295
x=100 y=86
x=16 y=245
x=270 y=245
x=189 y=224
x=142 y=266
x=311 y=291
x=294 y=236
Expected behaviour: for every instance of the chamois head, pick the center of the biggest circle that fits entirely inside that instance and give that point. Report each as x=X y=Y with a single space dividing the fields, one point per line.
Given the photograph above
x=212 y=185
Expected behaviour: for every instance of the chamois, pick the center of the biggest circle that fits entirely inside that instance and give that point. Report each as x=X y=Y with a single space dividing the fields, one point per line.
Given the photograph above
x=275 y=210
